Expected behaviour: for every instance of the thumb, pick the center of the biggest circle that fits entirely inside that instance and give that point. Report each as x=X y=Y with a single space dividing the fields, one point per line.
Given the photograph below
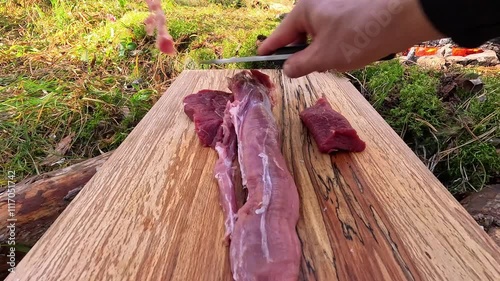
x=303 y=62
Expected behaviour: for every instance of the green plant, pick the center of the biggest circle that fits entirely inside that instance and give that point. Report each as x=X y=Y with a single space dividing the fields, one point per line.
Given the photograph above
x=420 y=109
x=383 y=81
x=181 y=27
x=60 y=10
x=229 y=3
x=203 y=54
x=122 y=3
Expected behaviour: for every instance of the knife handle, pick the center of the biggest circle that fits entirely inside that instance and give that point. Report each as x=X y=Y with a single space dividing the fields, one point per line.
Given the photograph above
x=291 y=49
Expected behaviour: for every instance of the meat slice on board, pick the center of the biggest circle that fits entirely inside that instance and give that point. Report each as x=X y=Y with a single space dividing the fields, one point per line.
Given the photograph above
x=225 y=169
x=157 y=20
x=264 y=242
x=330 y=130
x=209 y=110
x=206 y=109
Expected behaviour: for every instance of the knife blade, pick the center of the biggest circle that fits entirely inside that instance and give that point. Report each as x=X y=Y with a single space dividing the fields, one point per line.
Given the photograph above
x=280 y=54
x=247 y=59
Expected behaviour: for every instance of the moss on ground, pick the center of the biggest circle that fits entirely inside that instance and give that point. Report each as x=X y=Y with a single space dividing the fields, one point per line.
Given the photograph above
x=455 y=135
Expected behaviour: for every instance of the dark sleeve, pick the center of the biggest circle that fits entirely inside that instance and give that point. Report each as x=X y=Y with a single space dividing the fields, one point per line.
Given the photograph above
x=469 y=23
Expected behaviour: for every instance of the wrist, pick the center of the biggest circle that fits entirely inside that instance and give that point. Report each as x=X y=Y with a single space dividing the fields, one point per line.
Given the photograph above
x=411 y=25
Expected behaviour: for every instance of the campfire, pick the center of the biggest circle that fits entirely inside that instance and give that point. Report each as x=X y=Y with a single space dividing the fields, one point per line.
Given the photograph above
x=440 y=53
x=455 y=51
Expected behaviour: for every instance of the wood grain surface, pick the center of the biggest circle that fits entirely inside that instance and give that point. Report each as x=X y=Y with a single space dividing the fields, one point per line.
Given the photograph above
x=151 y=211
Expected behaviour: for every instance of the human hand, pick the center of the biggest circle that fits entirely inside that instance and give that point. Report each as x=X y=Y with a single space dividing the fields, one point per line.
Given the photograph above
x=156 y=20
x=348 y=34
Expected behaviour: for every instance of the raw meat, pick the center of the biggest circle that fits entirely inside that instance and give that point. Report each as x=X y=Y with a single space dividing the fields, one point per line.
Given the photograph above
x=156 y=20
x=264 y=242
x=330 y=130
x=225 y=170
x=209 y=110
x=206 y=109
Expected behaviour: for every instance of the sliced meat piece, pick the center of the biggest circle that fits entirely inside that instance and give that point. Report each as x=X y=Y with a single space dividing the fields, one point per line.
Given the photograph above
x=206 y=109
x=264 y=242
x=156 y=20
x=330 y=130
x=225 y=172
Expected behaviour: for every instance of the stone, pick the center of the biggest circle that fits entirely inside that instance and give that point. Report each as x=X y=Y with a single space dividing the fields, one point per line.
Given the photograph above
x=457 y=60
x=484 y=207
x=492 y=45
x=432 y=62
x=411 y=55
x=445 y=51
x=486 y=58
x=445 y=41
x=494 y=233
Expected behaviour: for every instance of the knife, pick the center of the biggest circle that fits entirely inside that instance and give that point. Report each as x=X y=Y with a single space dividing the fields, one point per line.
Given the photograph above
x=280 y=54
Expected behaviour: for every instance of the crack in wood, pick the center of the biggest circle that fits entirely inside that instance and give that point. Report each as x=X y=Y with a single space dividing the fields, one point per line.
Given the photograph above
x=310 y=88
x=334 y=263
x=326 y=184
x=342 y=185
x=309 y=266
x=356 y=179
x=299 y=94
x=395 y=249
x=354 y=204
x=428 y=255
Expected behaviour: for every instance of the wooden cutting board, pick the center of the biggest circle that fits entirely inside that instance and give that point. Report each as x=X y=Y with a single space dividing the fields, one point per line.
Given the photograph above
x=152 y=212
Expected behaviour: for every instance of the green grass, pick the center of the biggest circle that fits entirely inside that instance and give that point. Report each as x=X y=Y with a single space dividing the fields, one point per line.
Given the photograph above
x=455 y=138
x=67 y=68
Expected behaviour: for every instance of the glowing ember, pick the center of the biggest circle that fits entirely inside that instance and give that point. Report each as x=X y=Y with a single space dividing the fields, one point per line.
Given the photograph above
x=425 y=51
x=462 y=52
x=431 y=51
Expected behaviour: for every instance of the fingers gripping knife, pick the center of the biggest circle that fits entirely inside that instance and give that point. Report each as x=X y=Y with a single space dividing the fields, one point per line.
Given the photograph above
x=281 y=54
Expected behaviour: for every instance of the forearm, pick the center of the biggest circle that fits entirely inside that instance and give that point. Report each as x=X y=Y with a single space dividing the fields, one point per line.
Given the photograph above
x=468 y=23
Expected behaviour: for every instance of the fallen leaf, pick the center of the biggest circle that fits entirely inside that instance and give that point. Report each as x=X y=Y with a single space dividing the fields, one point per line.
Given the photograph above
x=60 y=150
